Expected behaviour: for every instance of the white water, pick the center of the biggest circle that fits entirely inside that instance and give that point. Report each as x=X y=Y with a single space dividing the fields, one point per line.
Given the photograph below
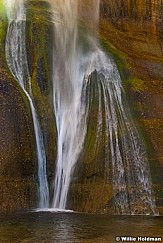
x=132 y=187
x=73 y=66
x=16 y=57
x=53 y=210
x=71 y=78
x=69 y=109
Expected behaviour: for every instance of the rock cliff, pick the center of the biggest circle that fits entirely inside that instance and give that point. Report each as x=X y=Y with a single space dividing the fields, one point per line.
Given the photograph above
x=132 y=32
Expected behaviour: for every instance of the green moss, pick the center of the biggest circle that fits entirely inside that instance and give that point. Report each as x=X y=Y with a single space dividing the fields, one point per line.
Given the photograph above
x=124 y=67
x=119 y=58
x=135 y=84
x=3 y=30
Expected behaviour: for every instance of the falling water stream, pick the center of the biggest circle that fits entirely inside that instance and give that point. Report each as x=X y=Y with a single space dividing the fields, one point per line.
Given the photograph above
x=73 y=66
x=16 y=56
x=72 y=71
x=69 y=109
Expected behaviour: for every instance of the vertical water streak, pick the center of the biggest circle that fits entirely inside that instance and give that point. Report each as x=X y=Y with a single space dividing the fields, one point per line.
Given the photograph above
x=132 y=186
x=73 y=66
x=68 y=86
x=16 y=57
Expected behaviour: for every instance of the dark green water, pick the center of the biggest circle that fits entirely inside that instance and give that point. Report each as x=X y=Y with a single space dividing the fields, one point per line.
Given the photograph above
x=46 y=227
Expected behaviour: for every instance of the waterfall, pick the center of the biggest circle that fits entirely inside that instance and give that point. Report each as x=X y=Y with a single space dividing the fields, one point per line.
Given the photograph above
x=68 y=87
x=72 y=69
x=16 y=56
x=76 y=58
x=131 y=180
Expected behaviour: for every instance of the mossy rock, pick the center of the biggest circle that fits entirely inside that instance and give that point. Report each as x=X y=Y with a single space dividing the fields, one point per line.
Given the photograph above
x=39 y=39
x=17 y=153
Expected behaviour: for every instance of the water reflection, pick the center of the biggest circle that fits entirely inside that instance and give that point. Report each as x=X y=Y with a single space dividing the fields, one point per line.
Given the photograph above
x=46 y=227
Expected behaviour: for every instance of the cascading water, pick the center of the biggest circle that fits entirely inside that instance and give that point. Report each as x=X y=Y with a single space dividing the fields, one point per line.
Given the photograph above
x=131 y=181
x=16 y=57
x=73 y=67
x=69 y=109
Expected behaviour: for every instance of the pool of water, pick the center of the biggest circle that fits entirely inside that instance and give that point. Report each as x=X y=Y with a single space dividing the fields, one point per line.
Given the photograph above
x=49 y=227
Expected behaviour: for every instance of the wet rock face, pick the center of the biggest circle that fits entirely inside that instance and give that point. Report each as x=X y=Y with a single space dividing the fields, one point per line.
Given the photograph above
x=146 y=14
x=91 y=186
x=17 y=158
x=16 y=132
x=39 y=40
x=18 y=177
x=135 y=28
x=135 y=31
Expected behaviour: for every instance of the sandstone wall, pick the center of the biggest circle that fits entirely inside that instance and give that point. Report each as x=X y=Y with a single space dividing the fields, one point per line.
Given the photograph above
x=18 y=163
x=134 y=31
